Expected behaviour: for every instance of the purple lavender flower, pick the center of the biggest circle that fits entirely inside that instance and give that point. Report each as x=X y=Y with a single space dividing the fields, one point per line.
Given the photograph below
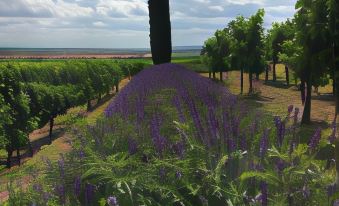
x=332 y=137
x=158 y=140
x=243 y=143
x=179 y=149
x=263 y=147
x=77 y=186
x=331 y=189
x=313 y=144
x=280 y=126
x=112 y=201
x=264 y=197
x=132 y=146
x=176 y=103
x=89 y=193
x=280 y=165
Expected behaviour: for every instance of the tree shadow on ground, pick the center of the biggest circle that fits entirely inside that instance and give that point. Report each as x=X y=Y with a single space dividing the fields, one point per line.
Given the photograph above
x=278 y=84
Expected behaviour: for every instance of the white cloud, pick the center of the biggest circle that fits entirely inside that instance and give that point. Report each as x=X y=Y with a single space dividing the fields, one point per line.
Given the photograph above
x=121 y=23
x=122 y=8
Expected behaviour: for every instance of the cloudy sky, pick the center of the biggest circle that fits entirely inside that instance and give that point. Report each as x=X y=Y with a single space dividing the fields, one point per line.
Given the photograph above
x=121 y=23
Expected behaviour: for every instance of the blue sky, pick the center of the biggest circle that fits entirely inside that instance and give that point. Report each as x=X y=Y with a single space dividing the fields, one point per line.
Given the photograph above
x=121 y=23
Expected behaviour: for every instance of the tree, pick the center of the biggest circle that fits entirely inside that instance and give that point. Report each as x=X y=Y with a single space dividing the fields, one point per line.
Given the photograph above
x=160 y=31
x=239 y=48
x=313 y=36
x=216 y=52
x=255 y=46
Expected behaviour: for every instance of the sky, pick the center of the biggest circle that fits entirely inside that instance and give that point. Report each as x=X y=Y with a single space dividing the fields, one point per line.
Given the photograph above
x=121 y=23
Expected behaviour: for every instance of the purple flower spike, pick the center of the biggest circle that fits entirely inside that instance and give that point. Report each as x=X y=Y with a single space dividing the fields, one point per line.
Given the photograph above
x=263 y=147
x=132 y=146
x=280 y=126
x=314 y=142
x=77 y=186
x=264 y=195
x=332 y=137
x=331 y=189
x=112 y=201
x=296 y=113
x=89 y=193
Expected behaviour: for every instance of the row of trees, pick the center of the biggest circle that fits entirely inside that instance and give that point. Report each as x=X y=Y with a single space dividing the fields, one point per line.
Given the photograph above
x=239 y=46
x=34 y=94
x=307 y=44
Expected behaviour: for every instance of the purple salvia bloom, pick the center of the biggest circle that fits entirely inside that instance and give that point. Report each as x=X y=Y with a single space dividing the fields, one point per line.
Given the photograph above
x=231 y=145
x=158 y=140
x=332 y=137
x=331 y=189
x=176 y=103
x=179 y=149
x=132 y=146
x=112 y=201
x=263 y=143
x=77 y=186
x=280 y=165
x=264 y=197
x=280 y=127
x=89 y=193
x=243 y=142
x=313 y=144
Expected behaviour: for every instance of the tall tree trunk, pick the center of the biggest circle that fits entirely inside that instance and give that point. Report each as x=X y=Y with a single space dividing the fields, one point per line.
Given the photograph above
x=241 y=81
x=221 y=76
x=250 y=78
x=287 y=75
x=302 y=92
x=89 y=106
x=257 y=76
x=18 y=156
x=307 y=108
x=51 y=125
x=209 y=74
x=9 y=157
x=274 y=72
x=30 y=149
x=160 y=31
x=117 y=87
x=214 y=77
x=266 y=73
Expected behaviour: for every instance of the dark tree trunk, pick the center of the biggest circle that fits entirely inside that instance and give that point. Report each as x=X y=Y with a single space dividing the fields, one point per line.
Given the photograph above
x=266 y=73
x=30 y=149
x=99 y=98
x=274 y=72
x=160 y=31
x=18 y=156
x=9 y=157
x=241 y=81
x=287 y=76
x=51 y=125
x=302 y=92
x=250 y=78
x=306 y=119
x=257 y=76
x=209 y=74
x=221 y=76
x=117 y=88
x=89 y=106
x=333 y=87
x=214 y=77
